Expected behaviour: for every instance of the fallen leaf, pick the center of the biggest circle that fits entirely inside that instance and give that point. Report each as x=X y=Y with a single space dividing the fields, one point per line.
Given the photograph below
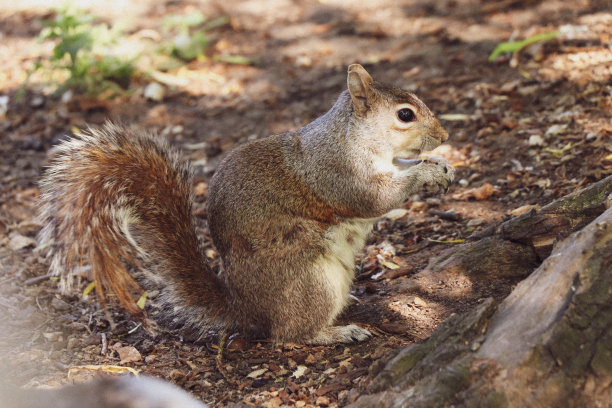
x=416 y=301
x=442 y=241
x=257 y=373
x=128 y=354
x=396 y=214
x=300 y=371
x=390 y=265
x=142 y=300
x=273 y=403
x=200 y=189
x=89 y=288
x=322 y=401
x=479 y=193
x=536 y=140
x=310 y=359
x=476 y=222
x=18 y=241
x=523 y=209
x=113 y=369
x=555 y=130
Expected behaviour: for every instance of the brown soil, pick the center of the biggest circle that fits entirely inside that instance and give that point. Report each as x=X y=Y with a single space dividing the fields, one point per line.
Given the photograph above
x=560 y=91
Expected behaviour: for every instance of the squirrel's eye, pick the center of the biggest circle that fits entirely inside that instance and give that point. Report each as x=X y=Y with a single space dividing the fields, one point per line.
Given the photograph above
x=405 y=115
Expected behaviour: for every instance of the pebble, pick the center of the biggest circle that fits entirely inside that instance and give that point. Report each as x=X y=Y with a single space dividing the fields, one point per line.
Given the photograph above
x=154 y=92
x=37 y=101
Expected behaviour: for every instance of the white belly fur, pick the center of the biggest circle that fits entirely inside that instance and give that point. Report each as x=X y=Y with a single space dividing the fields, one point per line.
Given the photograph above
x=337 y=265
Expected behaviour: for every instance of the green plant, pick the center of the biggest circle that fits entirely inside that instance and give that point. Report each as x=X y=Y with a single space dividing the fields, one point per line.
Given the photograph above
x=86 y=54
x=84 y=51
x=516 y=46
x=190 y=34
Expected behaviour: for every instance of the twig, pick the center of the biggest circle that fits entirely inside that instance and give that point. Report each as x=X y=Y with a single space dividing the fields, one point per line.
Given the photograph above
x=104 y=344
x=37 y=279
x=219 y=357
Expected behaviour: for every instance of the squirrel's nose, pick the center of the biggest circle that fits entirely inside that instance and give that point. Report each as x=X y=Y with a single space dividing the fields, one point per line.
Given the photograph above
x=443 y=134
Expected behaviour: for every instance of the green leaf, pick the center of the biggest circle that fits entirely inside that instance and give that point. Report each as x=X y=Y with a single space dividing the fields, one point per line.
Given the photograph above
x=182 y=21
x=142 y=300
x=516 y=46
x=217 y=22
x=71 y=45
x=454 y=241
x=234 y=59
x=390 y=265
x=198 y=43
x=89 y=288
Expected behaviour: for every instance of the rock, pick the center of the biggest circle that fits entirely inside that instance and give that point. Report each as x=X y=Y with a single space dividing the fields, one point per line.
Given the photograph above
x=155 y=92
x=37 y=102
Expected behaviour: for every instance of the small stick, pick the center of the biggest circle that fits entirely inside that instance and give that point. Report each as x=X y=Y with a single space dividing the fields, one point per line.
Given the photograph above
x=219 y=357
x=37 y=279
x=104 y=344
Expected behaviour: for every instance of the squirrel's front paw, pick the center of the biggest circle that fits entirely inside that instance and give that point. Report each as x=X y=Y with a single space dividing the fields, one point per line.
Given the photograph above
x=437 y=174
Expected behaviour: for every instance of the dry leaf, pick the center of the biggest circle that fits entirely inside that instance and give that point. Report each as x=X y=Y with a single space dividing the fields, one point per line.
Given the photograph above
x=396 y=214
x=479 y=193
x=200 y=189
x=112 y=369
x=18 y=242
x=390 y=265
x=257 y=373
x=523 y=209
x=300 y=371
x=128 y=354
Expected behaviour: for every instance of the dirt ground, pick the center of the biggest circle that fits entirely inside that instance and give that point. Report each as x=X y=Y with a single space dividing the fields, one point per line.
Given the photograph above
x=522 y=133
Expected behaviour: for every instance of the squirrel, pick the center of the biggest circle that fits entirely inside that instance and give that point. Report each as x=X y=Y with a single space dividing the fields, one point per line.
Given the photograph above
x=287 y=213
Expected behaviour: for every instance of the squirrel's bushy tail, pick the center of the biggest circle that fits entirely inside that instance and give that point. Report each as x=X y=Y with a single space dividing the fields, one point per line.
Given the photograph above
x=116 y=197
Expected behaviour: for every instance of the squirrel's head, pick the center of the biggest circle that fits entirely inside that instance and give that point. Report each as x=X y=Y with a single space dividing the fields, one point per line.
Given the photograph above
x=404 y=126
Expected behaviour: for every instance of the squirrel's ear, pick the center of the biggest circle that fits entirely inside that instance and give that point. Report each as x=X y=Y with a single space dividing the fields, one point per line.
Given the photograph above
x=359 y=85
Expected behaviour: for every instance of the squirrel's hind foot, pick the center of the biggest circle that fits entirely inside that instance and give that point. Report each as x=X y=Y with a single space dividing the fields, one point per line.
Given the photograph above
x=340 y=334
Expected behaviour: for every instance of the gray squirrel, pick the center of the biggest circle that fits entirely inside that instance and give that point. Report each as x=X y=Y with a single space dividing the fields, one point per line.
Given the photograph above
x=287 y=213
